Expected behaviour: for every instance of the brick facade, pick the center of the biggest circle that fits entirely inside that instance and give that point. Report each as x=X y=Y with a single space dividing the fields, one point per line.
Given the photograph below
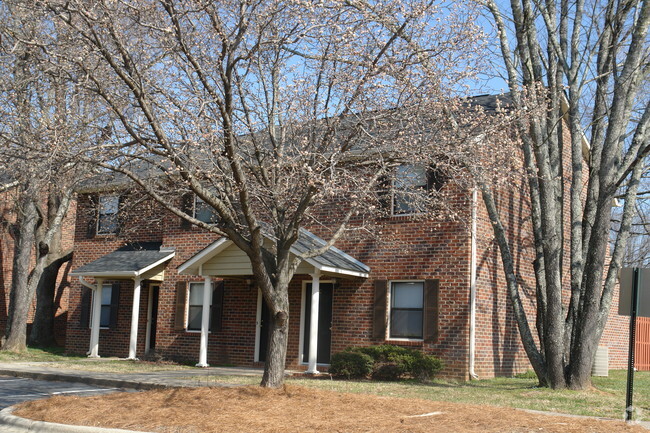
x=412 y=250
x=6 y=270
x=409 y=249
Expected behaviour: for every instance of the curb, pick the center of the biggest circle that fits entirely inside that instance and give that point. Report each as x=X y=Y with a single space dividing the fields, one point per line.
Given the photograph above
x=88 y=380
x=644 y=424
x=7 y=419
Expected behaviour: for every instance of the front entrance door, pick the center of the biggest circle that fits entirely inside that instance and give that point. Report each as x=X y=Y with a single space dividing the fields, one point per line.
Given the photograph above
x=324 y=323
x=264 y=329
x=153 y=318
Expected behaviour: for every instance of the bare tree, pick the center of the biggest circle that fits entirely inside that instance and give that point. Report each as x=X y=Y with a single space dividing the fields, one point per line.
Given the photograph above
x=584 y=66
x=271 y=112
x=35 y=107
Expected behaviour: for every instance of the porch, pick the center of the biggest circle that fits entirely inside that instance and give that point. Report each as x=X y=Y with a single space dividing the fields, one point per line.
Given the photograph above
x=223 y=260
x=134 y=263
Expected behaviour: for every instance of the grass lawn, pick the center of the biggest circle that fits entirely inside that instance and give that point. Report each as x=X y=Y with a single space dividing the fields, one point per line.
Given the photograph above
x=53 y=354
x=54 y=357
x=605 y=399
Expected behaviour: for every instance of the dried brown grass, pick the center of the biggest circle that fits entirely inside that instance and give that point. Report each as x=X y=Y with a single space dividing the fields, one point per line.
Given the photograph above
x=296 y=409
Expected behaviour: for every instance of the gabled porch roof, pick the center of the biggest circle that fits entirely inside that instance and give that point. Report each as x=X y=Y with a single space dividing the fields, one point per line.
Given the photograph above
x=142 y=260
x=223 y=258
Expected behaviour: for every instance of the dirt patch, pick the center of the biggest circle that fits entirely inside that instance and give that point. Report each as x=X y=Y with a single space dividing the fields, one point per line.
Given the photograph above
x=296 y=409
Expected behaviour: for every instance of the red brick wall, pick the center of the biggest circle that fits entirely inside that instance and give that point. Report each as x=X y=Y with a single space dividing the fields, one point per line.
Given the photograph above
x=498 y=347
x=6 y=270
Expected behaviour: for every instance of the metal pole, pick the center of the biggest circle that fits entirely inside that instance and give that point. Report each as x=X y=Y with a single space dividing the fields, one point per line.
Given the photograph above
x=629 y=409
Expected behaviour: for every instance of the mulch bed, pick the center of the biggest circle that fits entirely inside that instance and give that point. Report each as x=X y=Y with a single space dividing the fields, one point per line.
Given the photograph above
x=296 y=409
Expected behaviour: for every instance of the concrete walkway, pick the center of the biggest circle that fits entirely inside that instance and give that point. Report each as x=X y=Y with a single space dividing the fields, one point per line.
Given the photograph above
x=138 y=381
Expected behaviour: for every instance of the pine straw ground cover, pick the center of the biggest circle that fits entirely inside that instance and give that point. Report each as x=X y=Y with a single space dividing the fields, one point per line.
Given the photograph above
x=296 y=409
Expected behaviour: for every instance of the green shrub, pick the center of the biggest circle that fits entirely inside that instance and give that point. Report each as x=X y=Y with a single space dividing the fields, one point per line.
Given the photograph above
x=351 y=364
x=394 y=362
x=389 y=372
x=425 y=368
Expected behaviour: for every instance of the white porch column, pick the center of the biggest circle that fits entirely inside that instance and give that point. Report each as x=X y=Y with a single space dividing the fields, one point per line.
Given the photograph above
x=205 y=322
x=133 y=340
x=96 y=315
x=313 y=322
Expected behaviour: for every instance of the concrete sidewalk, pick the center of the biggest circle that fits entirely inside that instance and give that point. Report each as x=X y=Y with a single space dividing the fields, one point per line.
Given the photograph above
x=138 y=381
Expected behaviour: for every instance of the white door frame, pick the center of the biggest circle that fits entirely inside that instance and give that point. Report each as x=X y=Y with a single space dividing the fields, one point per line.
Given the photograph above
x=258 y=325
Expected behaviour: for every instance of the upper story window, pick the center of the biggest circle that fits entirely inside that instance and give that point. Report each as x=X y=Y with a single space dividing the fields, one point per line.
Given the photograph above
x=407 y=310
x=107 y=222
x=411 y=185
x=204 y=212
x=410 y=181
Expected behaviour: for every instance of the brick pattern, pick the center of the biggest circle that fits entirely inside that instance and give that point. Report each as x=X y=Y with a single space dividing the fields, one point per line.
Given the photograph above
x=6 y=271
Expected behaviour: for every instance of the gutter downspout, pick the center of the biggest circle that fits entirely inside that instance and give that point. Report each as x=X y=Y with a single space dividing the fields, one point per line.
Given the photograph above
x=86 y=283
x=472 y=289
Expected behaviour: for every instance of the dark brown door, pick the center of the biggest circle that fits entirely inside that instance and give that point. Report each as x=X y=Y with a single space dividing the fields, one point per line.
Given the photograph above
x=154 y=317
x=265 y=318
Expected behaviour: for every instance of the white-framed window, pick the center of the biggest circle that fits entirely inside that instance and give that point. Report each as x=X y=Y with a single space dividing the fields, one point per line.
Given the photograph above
x=204 y=212
x=106 y=305
x=107 y=222
x=406 y=310
x=409 y=184
x=195 y=307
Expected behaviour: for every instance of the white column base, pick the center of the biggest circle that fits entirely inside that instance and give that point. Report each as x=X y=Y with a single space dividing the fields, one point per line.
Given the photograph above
x=202 y=365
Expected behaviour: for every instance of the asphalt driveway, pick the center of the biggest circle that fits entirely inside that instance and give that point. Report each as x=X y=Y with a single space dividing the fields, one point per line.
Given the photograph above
x=14 y=390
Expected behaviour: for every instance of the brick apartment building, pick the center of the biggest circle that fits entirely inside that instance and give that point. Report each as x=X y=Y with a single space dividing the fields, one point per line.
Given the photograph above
x=434 y=286
x=438 y=287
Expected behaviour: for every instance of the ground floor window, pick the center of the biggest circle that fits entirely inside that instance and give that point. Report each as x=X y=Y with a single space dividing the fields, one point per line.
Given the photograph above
x=407 y=309
x=107 y=296
x=195 y=307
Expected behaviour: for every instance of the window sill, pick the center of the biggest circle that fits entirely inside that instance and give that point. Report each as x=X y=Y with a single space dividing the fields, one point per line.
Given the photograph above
x=195 y=331
x=405 y=342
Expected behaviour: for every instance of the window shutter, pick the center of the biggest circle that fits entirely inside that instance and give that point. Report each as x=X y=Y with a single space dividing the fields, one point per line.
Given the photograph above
x=217 y=307
x=431 y=310
x=93 y=215
x=181 y=296
x=435 y=179
x=187 y=206
x=86 y=300
x=115 y=302
x=384 y=193
x=379 y=317
x=119 y=218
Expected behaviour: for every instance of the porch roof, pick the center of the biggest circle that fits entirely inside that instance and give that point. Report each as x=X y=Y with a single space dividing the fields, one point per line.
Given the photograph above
x=130 y=261
x=223 y=258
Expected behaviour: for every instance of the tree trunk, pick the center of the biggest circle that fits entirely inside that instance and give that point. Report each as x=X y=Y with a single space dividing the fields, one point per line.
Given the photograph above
x=277 y=352
x=42 y=333
x=20 y=299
